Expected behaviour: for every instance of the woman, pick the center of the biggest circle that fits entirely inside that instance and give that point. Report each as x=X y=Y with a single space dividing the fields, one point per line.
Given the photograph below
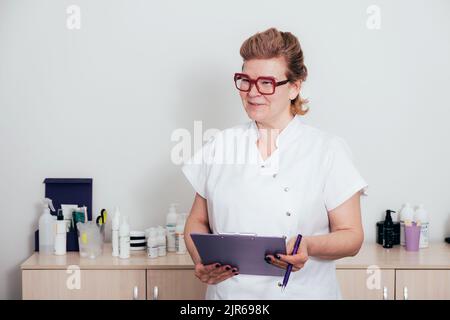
x=295 y=179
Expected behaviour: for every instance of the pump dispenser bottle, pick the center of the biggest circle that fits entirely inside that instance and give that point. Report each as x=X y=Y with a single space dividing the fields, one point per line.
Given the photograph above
x=388 y=230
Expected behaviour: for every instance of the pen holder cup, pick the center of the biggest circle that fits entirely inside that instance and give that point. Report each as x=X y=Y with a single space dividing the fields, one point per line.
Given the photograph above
x=90 y=239
x=412 y=237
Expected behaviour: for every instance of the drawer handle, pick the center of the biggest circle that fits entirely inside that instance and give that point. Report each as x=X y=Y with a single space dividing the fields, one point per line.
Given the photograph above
x=155 y=293
x=385 y=293
x=405 y=293
x=135 y=293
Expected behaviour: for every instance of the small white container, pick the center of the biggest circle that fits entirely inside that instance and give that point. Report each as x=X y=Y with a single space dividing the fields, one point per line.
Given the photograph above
x=152 y=244
x=47 y=223
x=171 y=223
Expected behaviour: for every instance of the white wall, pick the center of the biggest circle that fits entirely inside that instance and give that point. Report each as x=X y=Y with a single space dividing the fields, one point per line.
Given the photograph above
x=102 y=101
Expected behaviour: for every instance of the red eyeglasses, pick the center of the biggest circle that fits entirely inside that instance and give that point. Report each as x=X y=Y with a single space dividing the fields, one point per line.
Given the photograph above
x=264 y=85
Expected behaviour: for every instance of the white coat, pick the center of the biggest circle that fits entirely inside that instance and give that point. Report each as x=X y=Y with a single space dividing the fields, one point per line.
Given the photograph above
x=309 y=174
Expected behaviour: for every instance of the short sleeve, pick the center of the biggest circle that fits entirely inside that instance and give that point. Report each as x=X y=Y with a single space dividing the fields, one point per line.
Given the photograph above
x=197 y=168
x=342 y=179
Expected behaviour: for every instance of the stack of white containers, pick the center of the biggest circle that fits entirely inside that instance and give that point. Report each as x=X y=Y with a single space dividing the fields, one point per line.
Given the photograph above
x=170 y=239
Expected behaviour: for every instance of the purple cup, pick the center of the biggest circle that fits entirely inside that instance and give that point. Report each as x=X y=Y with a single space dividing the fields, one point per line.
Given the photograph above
x=412 y=237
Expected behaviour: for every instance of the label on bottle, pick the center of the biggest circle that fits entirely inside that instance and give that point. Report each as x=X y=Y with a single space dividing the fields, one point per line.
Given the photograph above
x=388 y=237
x=423 y=242
x=162 y=251
x=152 y=252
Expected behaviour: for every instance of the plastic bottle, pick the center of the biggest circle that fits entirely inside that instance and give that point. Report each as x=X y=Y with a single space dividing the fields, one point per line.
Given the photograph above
x=115 y=233
x=179 y=234
x=47 y=228
x=388 y=230
x=162 y=246
x=61 y=234
x=406 y=213
x=152 y=244
x=420 y=214
x=124 y=239
x=171 y=223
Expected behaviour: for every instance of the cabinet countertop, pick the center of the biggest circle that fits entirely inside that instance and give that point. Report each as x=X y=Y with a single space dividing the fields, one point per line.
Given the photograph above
x=436 y=256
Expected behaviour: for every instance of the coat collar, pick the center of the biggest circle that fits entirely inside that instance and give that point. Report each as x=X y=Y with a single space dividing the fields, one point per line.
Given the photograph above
x=288 y=134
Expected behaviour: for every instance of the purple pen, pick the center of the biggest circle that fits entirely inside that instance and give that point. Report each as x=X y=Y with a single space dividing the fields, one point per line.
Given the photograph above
x=289 y=267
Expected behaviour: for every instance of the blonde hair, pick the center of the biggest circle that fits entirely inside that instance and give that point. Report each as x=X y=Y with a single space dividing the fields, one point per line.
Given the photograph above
x=273 y=43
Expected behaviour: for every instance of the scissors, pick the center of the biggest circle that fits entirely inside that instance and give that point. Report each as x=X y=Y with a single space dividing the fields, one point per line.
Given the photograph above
x=101 y=219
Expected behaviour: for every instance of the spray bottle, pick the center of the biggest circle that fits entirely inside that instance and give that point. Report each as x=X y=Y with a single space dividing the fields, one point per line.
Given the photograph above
x=162 y=246
x=47 y=228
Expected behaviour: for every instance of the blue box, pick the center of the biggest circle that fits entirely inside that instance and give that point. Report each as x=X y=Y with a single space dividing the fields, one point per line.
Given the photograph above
x=68 y=191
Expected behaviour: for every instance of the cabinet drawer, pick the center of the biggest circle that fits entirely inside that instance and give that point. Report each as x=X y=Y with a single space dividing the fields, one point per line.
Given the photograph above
x=174 y=285
x=83 y=284
x=422 y=284
x=359 y=284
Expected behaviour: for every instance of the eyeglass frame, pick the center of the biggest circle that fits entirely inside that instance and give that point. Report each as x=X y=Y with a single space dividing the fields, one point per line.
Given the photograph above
x=275 y=84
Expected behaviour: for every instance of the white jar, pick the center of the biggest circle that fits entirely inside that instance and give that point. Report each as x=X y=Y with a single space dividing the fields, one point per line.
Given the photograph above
x=152 y=244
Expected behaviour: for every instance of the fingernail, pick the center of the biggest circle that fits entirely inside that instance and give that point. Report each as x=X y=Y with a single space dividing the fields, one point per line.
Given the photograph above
x=217 y=265
x=277 y=256
x=227 y=268
x=267 y=259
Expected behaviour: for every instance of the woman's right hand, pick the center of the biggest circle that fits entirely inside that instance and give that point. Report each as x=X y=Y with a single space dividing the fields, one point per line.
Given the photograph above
x=214 y=273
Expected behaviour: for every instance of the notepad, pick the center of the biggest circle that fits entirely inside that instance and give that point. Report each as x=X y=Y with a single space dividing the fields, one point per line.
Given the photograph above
x=245 y=252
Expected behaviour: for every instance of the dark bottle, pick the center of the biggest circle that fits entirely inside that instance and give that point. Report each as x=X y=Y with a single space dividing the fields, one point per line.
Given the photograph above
x=388 y=230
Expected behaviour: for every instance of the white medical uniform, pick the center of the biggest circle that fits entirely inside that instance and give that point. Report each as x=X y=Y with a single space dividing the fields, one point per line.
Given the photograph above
x=310 y=173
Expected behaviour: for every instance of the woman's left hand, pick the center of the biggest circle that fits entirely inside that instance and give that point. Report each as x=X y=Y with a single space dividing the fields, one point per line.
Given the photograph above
x=297 y=260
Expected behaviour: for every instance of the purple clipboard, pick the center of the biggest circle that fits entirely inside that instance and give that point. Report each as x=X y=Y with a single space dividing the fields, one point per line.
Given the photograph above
x=245 y=252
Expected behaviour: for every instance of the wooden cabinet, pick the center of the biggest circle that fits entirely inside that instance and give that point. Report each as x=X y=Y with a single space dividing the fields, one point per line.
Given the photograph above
x=422 y=284
x=378 y=273
x=366 y=284
x=107 y=277
x=375 y=273
x=174 y=285
x=83 y=284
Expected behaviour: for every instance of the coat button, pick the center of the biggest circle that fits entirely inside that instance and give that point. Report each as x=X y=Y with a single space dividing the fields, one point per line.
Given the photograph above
x=288 y=214
x=286 y=189
x=263 y=166
x=274 y=175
